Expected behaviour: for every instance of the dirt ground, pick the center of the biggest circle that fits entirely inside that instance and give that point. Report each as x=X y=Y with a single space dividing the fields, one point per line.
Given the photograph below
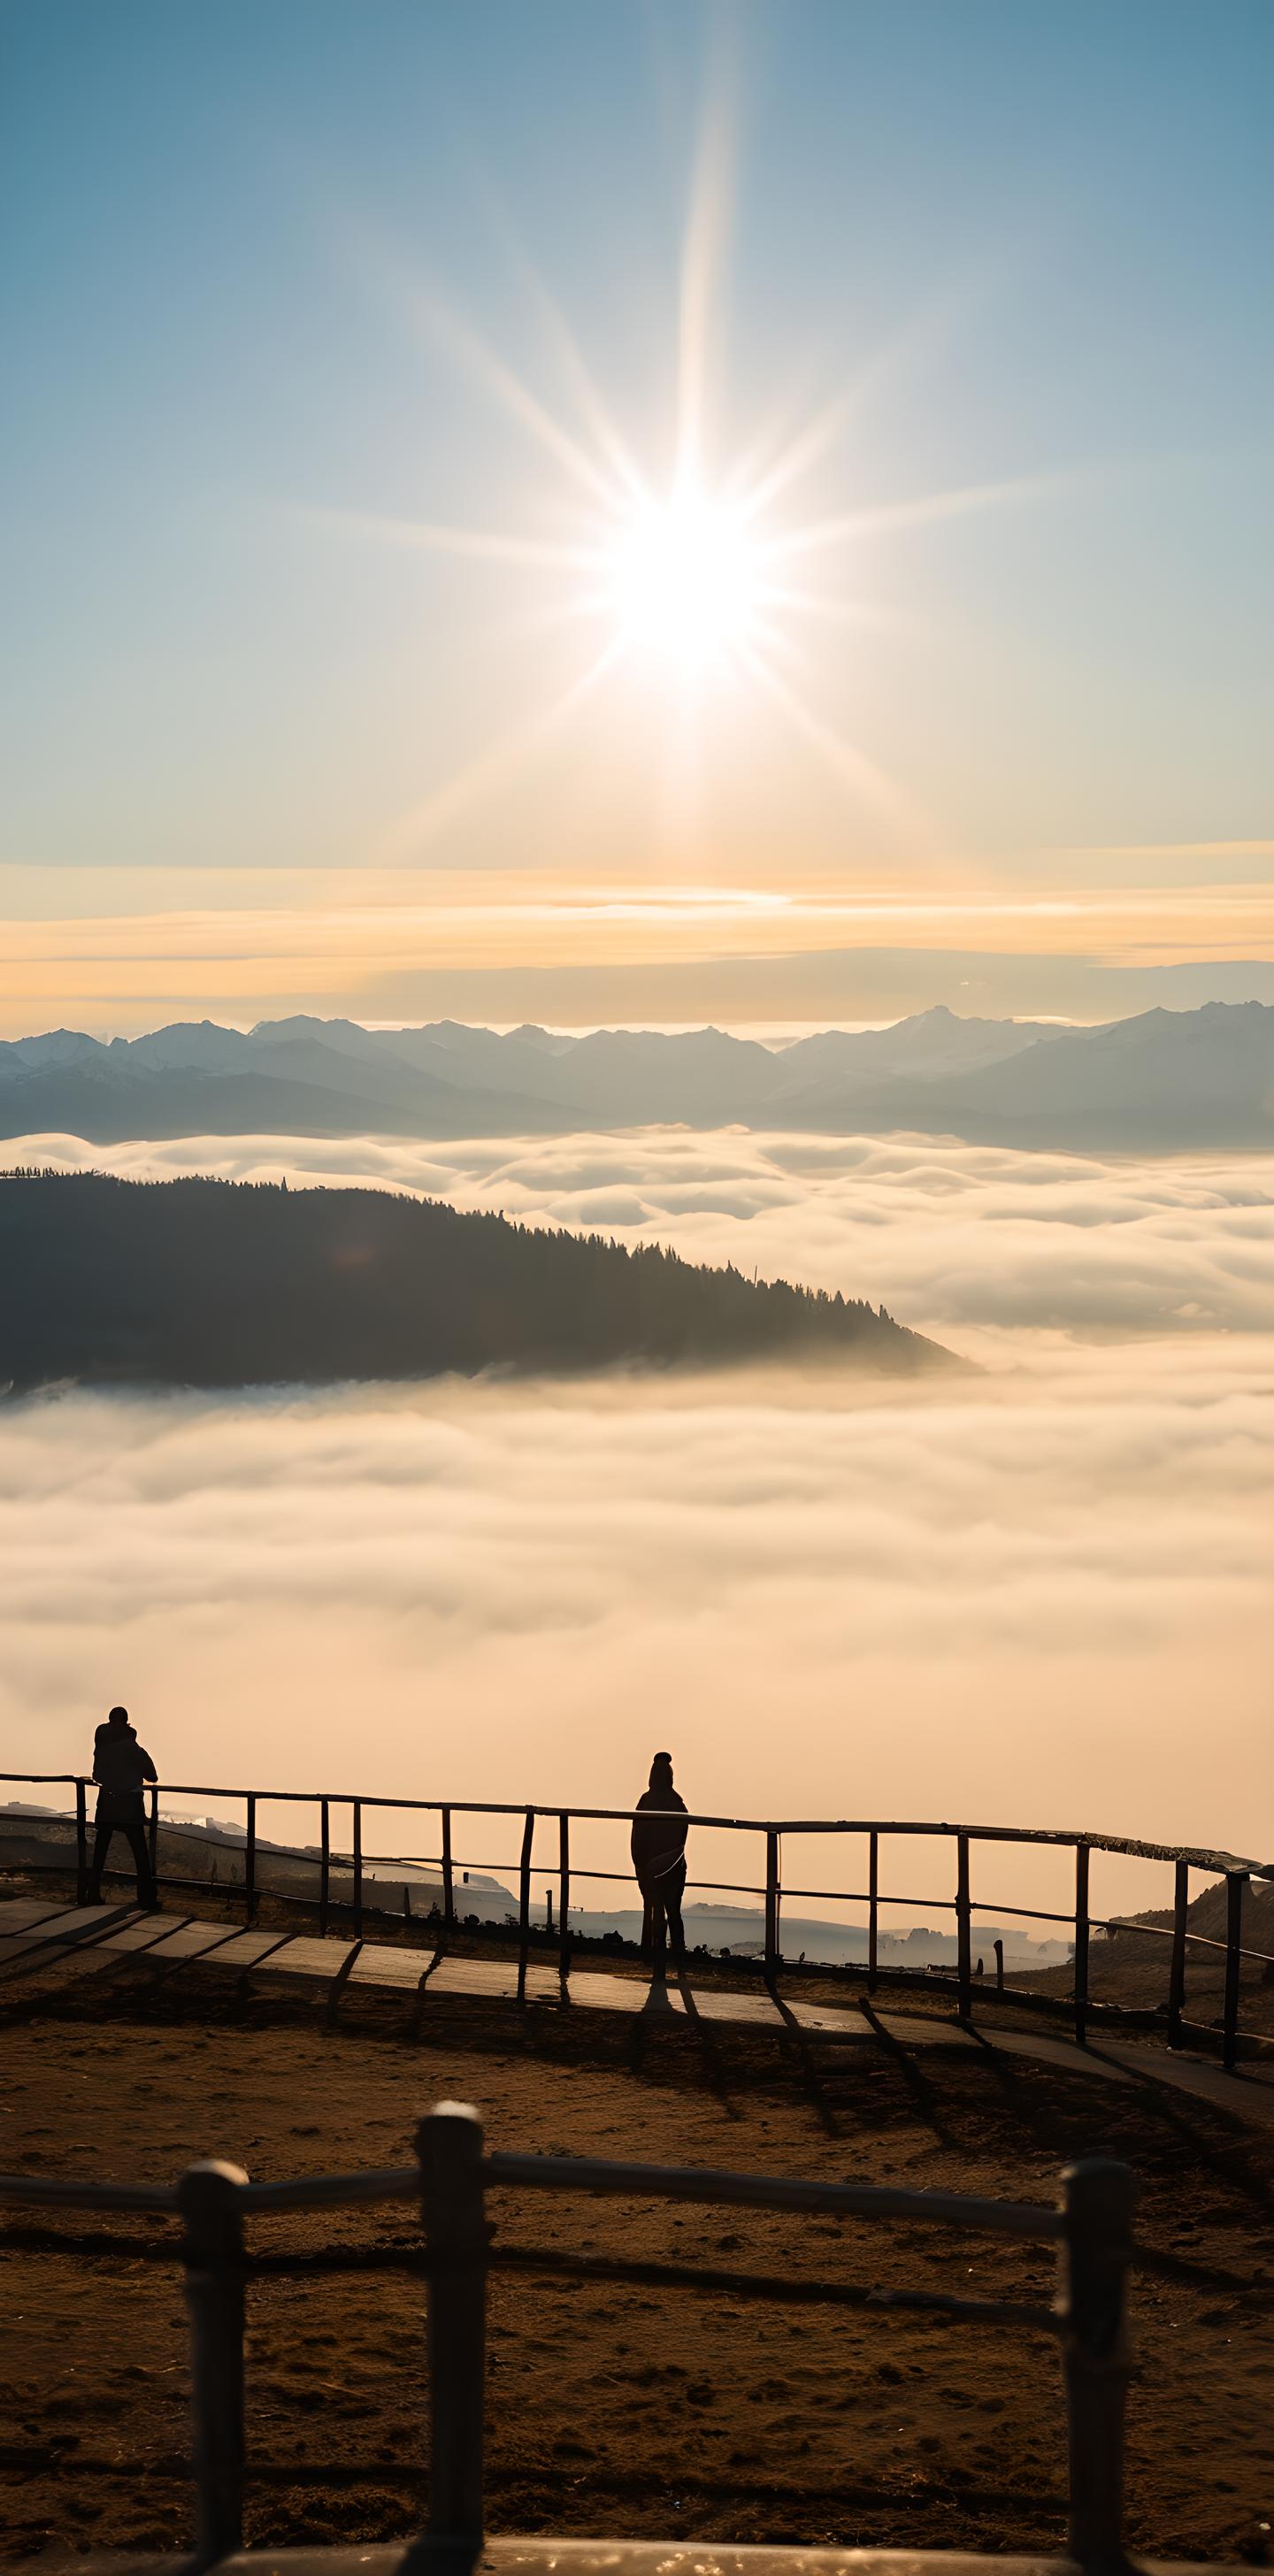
x=615 y=2409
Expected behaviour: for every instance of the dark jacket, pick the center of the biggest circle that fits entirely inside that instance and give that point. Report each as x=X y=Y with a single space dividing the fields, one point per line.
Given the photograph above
x=121 y=1767
x=658 y=1841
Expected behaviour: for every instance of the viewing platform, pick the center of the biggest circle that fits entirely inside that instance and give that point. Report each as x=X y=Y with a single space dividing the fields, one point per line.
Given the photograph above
x=84 y=1942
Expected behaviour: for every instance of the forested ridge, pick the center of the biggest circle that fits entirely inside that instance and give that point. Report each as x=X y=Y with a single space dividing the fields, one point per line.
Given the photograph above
x=219 y=1283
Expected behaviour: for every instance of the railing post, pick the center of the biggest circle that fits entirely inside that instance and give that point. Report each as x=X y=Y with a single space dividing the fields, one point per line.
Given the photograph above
x=964 y=1962
x=1177 y=1970
x=1094 y=2255
x=1235 y=1882
x=999 y=1967
x=448 y=1889
x=771 y=1901
x=1081 y=1943
x=873 y=1908
x=564 y=1892
x=524 y=1890
x=81 y=1842
x=250 y=1863
x=449 y=2146
x=152 y=1838
x=208 y=2197
x=358 y=1869
x=325 y=1862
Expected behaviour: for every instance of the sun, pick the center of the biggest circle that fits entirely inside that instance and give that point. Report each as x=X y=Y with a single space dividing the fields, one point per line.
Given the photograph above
x=684 y=581
x=692 y=570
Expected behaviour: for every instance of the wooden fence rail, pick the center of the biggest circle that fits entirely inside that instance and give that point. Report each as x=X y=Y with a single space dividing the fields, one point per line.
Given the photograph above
x=770 y=1888
x=1092 y=2228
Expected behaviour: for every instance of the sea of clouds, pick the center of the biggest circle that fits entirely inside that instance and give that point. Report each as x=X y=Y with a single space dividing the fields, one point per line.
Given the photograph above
x=957 y=1239
x=1036 y=1593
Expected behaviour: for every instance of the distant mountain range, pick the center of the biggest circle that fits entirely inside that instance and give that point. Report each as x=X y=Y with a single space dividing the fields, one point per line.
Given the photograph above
x=217 y=1283
x=1162 y=1080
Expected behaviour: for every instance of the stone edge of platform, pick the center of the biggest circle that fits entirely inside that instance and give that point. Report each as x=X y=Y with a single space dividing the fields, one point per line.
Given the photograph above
x=543 y=2556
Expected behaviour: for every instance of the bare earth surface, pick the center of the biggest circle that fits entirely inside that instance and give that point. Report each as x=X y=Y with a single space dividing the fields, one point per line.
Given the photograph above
x=615 y=2410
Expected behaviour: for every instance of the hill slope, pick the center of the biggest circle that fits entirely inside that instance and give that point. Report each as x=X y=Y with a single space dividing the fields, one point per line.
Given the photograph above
x=216 y=1283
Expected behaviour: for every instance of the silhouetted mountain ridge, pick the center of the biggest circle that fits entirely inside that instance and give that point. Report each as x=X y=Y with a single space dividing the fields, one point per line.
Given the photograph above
x=218 y=1283
x=1162 y=1080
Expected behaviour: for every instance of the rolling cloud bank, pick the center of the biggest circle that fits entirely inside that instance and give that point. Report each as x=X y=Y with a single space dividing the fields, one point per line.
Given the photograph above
x=958 y=1240
x=1039 y=1594
x=1043 y=1598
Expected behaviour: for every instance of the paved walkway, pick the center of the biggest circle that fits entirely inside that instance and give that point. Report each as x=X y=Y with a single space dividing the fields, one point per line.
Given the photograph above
x=35 y=1935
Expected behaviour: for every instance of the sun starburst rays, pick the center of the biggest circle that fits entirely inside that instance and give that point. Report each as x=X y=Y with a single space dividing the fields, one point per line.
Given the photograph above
x=701 y=581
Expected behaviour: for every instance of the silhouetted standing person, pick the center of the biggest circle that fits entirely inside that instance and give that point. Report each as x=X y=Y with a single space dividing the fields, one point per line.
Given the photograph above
x=121 y=1768
x=659 y=1859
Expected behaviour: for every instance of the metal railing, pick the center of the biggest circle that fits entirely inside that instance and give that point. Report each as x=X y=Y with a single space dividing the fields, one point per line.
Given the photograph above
x=1080 y=2007
x=450 y=2180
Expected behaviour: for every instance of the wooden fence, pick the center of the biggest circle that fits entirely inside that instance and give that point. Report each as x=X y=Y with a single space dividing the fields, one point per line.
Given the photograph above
x=772 y=1888
x=1092 y=2229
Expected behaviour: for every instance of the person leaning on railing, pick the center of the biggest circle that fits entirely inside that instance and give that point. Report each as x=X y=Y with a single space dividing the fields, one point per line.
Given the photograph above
x=659 y=1859
x=121 y=1768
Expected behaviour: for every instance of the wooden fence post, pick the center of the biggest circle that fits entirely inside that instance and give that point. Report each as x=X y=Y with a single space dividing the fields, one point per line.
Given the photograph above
x=965 y=1965
x=1235 y=1882
x=772 y=1960
x=449 y=2146
x=524 y=1888
x=564 y=1892
x=325 y=1862
x=81 y=1842
x=208 y=2198
x=448 y=1890
x=250 y=1863
x=1177 y=1970
x=873 y=1908
x=1081 y=1943
x=1093 y=2258
x=358 y=1869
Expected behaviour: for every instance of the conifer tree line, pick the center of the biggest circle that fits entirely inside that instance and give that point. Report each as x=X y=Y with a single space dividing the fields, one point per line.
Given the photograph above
x=213 y=1283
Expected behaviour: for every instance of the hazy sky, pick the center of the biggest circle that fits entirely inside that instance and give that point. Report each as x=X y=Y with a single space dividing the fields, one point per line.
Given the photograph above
x=496 y=492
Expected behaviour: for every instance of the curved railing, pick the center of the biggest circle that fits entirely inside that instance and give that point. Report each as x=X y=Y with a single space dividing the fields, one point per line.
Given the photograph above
x=342 y=1883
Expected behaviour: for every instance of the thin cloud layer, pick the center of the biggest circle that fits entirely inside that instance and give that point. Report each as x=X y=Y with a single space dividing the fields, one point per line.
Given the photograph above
x=1041 y=1597
x=959 y=1240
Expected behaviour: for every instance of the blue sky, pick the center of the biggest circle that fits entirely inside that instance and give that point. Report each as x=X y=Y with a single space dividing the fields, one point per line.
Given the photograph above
x=249 y=256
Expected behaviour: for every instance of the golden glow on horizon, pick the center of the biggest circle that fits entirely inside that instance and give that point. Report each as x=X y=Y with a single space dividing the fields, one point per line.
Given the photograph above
x=324 y=942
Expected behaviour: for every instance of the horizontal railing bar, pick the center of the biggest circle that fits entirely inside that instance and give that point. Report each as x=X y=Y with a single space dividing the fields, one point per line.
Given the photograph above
x=334 y=2191
x=41 y=2191
x=765 y=2191
x=857 y=1896
x=623 y=1878
x=506 y=2172
x=1217 y=1863
x=1164 y=1932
